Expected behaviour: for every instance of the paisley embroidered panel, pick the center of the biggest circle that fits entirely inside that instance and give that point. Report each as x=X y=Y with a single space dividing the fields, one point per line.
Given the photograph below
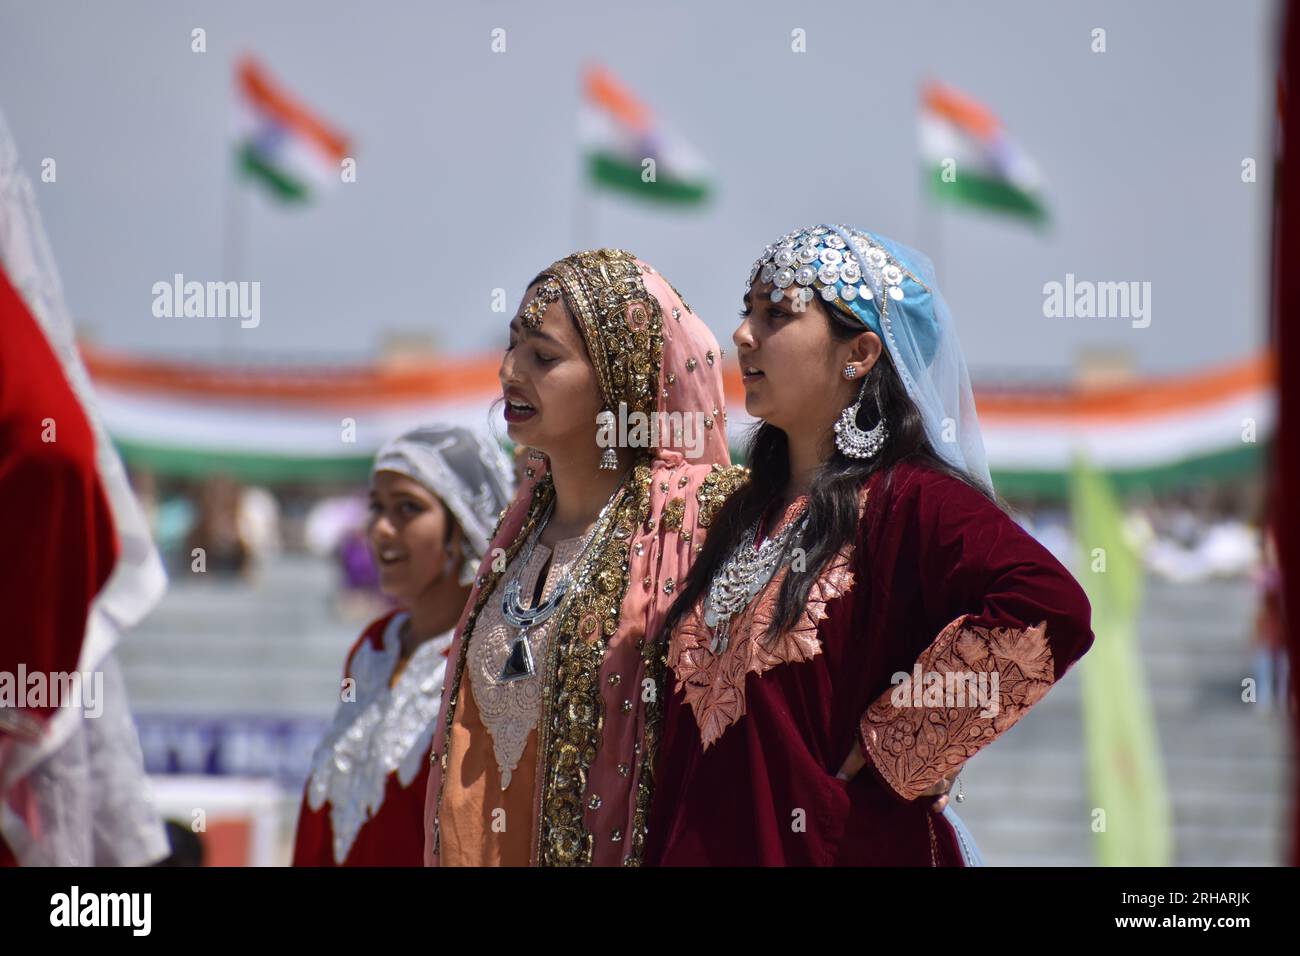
x=915 y=741
x=714 y=684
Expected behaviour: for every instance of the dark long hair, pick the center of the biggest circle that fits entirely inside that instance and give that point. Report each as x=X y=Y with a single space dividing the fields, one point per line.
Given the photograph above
x=832 y=507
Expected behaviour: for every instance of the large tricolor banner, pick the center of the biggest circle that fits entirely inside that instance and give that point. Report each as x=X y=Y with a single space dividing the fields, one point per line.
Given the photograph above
x=291 y=423
x=1149 y=432
x=294 y=423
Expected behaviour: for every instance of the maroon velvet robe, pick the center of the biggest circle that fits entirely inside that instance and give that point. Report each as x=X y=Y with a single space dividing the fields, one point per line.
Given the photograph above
x=938 y=577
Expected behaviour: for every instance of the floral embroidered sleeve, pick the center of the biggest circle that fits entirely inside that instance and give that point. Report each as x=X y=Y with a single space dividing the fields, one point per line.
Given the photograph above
x=1010 y=621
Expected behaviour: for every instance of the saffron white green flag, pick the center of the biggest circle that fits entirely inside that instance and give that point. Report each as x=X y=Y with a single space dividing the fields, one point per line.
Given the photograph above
x=970 y=160
x=280 y=142
x=629 y=151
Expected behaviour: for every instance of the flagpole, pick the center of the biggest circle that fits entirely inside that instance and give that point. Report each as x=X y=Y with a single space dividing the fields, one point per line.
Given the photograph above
x=582 y=221
x=233 y=227
x=929 y=218
x=580 y=225
x=234 y=217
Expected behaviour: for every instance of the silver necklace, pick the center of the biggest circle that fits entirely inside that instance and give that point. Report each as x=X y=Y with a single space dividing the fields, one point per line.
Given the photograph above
x=519 y=662
x=745 y=572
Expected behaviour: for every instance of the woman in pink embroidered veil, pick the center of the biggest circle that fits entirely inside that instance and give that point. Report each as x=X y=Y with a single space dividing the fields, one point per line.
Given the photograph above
x=864 y=616
x=551 y=711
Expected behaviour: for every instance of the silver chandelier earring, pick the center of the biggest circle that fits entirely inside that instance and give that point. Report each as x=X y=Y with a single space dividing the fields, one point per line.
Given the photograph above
x=852 y=440
x=609 y=460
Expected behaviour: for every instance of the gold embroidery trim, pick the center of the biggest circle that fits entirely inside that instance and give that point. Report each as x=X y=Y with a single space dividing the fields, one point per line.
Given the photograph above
x=914 y=747
x=572 y=706
x=655 y=659
x=718 y=485
x=620 y=321
x=673 y=514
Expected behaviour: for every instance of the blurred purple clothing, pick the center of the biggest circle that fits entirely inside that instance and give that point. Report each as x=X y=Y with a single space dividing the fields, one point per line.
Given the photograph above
x=359 y=570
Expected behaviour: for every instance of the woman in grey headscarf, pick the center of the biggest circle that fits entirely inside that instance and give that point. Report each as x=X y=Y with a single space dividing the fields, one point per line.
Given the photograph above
x=435 y=497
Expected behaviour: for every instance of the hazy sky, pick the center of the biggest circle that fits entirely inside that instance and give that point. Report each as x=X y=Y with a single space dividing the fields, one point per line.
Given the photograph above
x=469 y=167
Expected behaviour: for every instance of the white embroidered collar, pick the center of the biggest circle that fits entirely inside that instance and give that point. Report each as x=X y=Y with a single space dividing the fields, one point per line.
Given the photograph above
x=383 y=730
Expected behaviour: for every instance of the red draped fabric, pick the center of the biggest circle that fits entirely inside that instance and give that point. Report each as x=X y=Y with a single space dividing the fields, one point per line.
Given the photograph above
x=58 y=537
x=1286 y=331
x=59 y=541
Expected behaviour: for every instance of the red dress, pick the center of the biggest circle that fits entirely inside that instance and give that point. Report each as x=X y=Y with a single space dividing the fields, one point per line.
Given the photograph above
x=364 y=802
x=938 y=578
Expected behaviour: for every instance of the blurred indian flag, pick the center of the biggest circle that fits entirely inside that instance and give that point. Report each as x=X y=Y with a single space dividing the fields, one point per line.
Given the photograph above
x=970 y=158
x=280 y=142
x=619 y=134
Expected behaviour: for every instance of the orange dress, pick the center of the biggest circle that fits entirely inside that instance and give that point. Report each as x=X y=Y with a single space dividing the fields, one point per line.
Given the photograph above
x=487 y=811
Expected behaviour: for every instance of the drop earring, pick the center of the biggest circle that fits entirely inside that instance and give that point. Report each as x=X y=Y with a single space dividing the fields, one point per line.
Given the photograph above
x=609 y=460
x=852 y=440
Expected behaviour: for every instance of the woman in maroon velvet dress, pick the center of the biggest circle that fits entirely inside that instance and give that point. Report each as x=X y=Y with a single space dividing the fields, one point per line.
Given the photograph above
x=863 y=616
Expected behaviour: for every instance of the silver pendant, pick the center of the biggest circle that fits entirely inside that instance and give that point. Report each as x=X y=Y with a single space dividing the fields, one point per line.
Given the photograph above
x=721 y=637
x=519 y=662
